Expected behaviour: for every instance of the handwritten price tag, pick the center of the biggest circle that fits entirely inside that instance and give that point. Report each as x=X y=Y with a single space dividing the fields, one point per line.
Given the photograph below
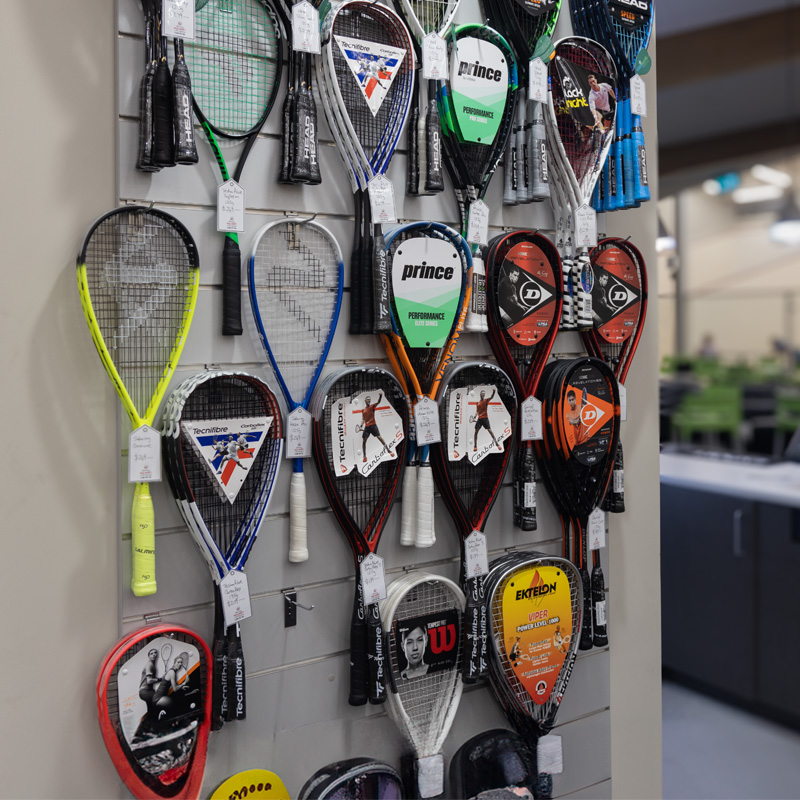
x=585 y=226
x=478 y=225
x=373 y=579
x=235 y=597
x=230 y=208
x=426 y=419
x=434 y=57
x=531 y=420
x=178 y=17
x=298 y=434
x=638 y=96
x=381 y=199
x=597 y=529
x=623 y=402
x=305 y=28
x=144 y=455
x=477 y=555
x=537 y=84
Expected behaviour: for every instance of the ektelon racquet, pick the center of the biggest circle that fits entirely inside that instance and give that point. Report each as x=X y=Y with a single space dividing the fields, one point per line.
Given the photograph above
x=524 y=299
x=223 y=441
x=360 y=472
x=138 y=278
x=619 y=308
x=429 y=269
x=155 y=713
x=235 y=62
x=476 y=104
x=469 y=464
x=423 y=618
x=366 y=85
x=295 y=278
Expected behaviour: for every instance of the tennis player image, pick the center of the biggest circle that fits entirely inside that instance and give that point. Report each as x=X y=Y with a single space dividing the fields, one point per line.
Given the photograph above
x=414 y=643
x=602 y=102
x=512 y=309
x=482 y=420
x=370 y=426
x=515 y=655
x=232 y=449
x=574 y=418
x=559 y=641
x=600 y=299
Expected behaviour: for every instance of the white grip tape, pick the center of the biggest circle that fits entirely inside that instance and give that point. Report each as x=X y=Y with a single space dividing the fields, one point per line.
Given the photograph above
x=430 y=776
x=408 y=522
x=298 y=522
x=426 y=535
x=475 y=321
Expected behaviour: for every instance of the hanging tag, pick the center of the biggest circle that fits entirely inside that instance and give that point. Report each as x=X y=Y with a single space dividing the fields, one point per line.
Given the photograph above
x=178 y=18
x=643 y=62
x=235 y=597
x=638 y=96
x=597 y=529
x=426 y=419
x=478 y=226
x=434 y=57
x=298 y=434
x=550 y=755
x=305 y=28
x=585 y=226
x=537 y=83
x=623 y=402
x=477 y=555
x=381 y=199
x=531 y=420
x=373 y=579
x=230 y=208
x=144 y=455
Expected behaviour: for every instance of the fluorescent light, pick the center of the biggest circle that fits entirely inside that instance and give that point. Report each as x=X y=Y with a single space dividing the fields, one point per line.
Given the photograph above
x=712 y=187
x=756 y=194
x=774 y=177
x=786 y=230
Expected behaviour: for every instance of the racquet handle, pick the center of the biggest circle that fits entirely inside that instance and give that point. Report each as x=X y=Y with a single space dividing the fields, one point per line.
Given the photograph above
x=237 y=706
x=615 y=494
x=476 y=314
x=163 y=133
x=219 y=685
x=375 y=655
x=475 y=630
x=519 y=144
x=434 y=177
x=540 y=182
x=380 y=280
x=185 y=147
x=510 y=180
x=358 y=649
x=144 y=161
x=422 y=145
x=641 y=190
x=231 y=287
x=314 y=175
x=426 y=534
x=298 y=519
x=143 y=539
x=599 y=626
x=284 y=174
x=586 y=622
x=301 y=157
x=412 y=162
x=408 y=527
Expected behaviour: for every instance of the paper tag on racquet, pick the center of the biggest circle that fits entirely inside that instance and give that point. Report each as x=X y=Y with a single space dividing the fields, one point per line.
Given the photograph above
x=235 y=597
x=373 y=579
x=537 y=627
x=478 y=224
x=298 y=434
x=597 y=529
x=638 y=96
x=178 y=18
x=434 y=57
x=643 y=62
x=479 y=423
x=227 y=446
x=144 y=455
x=305 y=28
x=381 y=199
x=426 y=420
x=585 y=226
x=531 y=427
x=537 y=81
x=623 y=402
x=230 y=207
x=477 y=555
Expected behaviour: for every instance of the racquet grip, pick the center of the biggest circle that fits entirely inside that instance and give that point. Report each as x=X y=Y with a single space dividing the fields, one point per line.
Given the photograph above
x=509 y=187
x=474 y=626
x=237 y=704
x=375 y=656
x=408 y=531
x=434 y=178
x=163 y=133
x=519 y=144
x=284 y=174
x=298 y=519
x=301 y=158
x=412 y=162
x=219 y=686
x=642 y=185
x=231 y=287
x=380 y=280
x=144 y=161
x=185 y=147
x=599 y=626
x=476 y=313
x=586 y=622
x=314 y=175
x=143 y=540
x=540 y=182
x=358 y=650
x=426 y=533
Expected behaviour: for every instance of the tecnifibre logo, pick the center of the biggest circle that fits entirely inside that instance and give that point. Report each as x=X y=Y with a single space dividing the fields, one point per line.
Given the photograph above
x=478 y=70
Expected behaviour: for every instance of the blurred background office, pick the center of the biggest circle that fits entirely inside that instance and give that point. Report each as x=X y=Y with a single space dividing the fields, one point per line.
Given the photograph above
x=729 y=316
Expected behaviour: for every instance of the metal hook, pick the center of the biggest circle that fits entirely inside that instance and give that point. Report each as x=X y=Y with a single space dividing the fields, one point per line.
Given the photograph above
x=291 y=217
x=290 y=608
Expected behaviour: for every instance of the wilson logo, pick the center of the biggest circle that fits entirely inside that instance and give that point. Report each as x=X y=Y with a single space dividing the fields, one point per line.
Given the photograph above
x=443 y=639
x=477 y=70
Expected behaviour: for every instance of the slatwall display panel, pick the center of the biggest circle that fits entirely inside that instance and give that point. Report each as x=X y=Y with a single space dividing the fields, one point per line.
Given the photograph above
x=298 y=716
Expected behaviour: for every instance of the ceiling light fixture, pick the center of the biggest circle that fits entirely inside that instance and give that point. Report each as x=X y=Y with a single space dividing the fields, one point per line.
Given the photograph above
x=774 y=177
x=786 y=230
x=756 y=194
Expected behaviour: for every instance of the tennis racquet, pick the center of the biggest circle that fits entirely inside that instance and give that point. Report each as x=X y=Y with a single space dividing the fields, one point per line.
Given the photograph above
x=423 y=618
x=235 y=62
x=469 y=478
x=295 y=279
x=154 y=716
x=360 y=473
x=138 y=279
x=144 y=160
x=524 y=299
x=163 y=110
x=223 y=441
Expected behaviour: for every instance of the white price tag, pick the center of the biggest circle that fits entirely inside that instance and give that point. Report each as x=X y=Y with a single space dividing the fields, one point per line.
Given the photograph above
x=230 y=208
x=298 y=434
x=529 y=494
x=235 y=597
x=618 y=479
x=478 y=225
x=531 y=420
x=178 y=18
x=537 y=83
x=623 y=402
x=597 y=529
x=381 y=199
x=600 y=612
x=426 y=420
x=638 y=96
x=434 y=57
x=144 y=455
x=477 y=555
x=373 y=579
x=585 y=226
x=305 y=28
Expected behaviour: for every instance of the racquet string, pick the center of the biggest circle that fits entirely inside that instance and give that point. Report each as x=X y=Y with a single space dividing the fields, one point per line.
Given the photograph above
x=139 y=275
x=234 y=61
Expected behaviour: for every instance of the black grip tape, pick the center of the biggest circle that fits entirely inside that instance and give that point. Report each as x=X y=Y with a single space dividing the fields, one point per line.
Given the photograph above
x=219 y=683
x=144 y=160
x=366 y=286
x=586 y=622
x=185 y=147
x=472 y=633
x=375 y=656
x=237 y=705
x=355 y=271
x=284 y=175
x=383 y=322
x=434 y=181
x=599 y=632
x=412 y=162
x=314 y=175
x=358 y=652
x=301 y=157
x=163 y=136
x=231 y=288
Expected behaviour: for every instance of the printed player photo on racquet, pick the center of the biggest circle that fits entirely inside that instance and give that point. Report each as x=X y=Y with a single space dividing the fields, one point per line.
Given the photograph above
x=588 y=416
x=426 y=643
x=525 y=293
x=616 y=295
x=365 y=432
x=479 y=423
